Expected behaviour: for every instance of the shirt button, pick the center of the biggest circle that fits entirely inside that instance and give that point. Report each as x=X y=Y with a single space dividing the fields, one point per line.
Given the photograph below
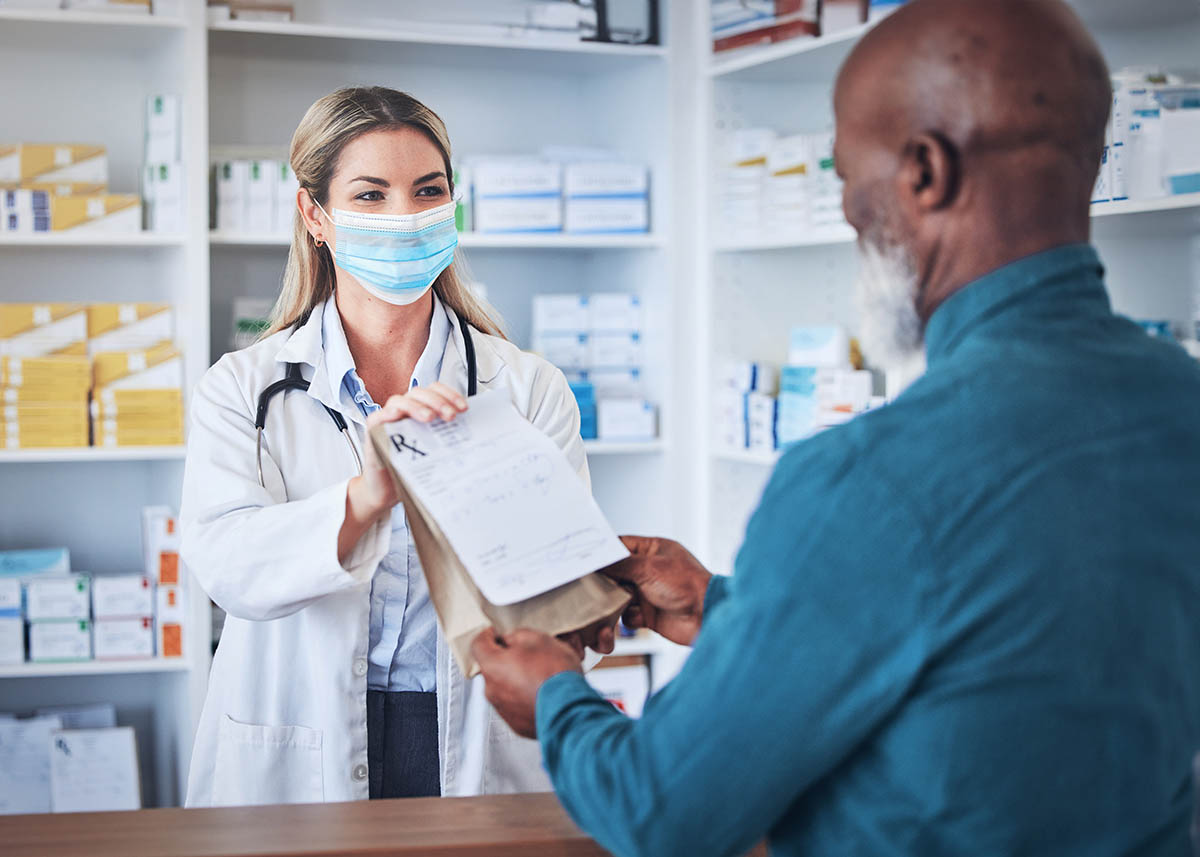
x=360 y=772
x=360 y=667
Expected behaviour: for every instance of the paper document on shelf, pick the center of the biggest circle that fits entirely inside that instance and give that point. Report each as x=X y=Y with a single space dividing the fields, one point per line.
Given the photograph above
x=25 y=764
x=520 y=520
x=94 y=770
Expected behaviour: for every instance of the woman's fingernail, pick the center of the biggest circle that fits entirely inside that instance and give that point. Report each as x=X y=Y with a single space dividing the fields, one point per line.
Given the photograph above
x=447 y=413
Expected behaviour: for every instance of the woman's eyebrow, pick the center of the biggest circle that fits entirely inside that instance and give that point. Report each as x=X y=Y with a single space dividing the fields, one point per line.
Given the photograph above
x=429 y=177
x=372 y=180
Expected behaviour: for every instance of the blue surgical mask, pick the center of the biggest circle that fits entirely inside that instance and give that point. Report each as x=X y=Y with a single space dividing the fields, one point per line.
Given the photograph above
x=395 y=257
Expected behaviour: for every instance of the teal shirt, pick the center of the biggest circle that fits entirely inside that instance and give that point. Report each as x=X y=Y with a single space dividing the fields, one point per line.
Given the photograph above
x=967 y=623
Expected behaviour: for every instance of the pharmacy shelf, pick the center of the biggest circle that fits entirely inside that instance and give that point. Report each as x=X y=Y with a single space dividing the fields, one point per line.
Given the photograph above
x=444 y=37
x=795 y=58
x=92 y=453
x=93 y=239
x=745 y=456
x=1184 y=203
x=822 y=238
x=103 y=19
x=1181 y=202
x=149 y=665
x=638 y=447
x=538 y=241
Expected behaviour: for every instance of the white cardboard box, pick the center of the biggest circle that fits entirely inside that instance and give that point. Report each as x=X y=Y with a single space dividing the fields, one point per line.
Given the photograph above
x=162 y=129
x=626 y=419
x=12 y=640
x=160 y=545
x=232 y=187
x=601 y=216
x=10 y=596
x=122 y=596
x=286 y=187
x=517 y=214
x=58 y=597
x=515 y=177
x=605 y=178
x=615 y=312
x=566 y=351
x=169 y=621
x=123 y=639
x=615 y=350
x=60 y=640
x=261 y=189
x=560 y=314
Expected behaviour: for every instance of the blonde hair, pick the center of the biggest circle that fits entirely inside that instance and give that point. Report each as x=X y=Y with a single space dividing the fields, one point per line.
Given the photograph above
x=331 y=123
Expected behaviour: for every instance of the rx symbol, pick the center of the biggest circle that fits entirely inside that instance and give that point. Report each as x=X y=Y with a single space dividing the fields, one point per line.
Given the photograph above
x=401 y=445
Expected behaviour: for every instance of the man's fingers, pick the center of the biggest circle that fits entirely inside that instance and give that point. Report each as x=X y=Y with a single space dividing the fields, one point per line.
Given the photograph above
x=634 y=617
x=485 y=647
x=606 y=641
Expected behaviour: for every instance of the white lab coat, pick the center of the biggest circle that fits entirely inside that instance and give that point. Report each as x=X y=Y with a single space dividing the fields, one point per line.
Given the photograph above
x=285 y=720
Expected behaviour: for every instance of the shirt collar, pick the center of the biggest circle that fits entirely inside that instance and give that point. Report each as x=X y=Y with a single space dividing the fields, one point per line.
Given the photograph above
x=1073 y=269
x=339 y=362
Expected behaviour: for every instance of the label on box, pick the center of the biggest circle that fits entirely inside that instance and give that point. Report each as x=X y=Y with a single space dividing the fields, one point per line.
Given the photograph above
x=122 y=596
x=117 y=639
x=60 y=640
x=66 y=597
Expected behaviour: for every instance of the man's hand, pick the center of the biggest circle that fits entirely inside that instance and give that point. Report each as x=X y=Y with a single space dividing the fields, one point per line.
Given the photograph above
x=600 y=637
x=514 y=668
x=669 y=587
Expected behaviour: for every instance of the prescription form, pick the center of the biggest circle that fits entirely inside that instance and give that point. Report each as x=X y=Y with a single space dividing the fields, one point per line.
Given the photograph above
x=507 y=532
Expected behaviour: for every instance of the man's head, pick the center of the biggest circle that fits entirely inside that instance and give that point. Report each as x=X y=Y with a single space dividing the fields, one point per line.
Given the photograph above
x=969 y=134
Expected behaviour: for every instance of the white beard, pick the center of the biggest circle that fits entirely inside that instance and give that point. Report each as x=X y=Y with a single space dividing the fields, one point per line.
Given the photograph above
x=891 y=332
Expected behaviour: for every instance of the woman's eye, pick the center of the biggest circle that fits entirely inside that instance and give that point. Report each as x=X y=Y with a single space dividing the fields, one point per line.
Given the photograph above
x=431 y=191
x=370 y=196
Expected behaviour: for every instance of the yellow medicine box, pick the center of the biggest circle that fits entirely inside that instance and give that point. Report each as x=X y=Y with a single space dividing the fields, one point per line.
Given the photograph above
x=108 y=212
x=76 y=167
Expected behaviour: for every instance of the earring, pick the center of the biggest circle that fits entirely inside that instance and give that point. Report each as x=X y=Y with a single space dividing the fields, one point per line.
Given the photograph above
x=319 y=242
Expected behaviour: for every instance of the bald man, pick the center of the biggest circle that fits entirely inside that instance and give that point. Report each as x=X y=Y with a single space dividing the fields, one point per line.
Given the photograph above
x=967 y=623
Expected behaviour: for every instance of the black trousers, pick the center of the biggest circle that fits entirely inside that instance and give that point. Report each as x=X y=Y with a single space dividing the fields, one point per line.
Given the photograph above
x=402 y=745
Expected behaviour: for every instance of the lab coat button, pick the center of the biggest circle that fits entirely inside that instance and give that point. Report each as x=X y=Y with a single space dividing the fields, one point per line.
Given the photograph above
x=360 y=772
x=360 y=667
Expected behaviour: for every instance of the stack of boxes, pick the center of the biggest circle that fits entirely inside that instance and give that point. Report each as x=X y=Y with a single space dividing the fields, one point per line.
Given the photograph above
x=62 y=187
x=597 y=341
x=786 y=187
x=254 y=196
x=138 y=375
x=52 y=355
x=818 y=388
x=529 y=195
x=44 y=375
x=49 y=614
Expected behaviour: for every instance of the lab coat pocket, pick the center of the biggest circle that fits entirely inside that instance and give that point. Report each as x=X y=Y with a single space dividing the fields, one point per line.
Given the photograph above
x=514 y=764
x=267 y=764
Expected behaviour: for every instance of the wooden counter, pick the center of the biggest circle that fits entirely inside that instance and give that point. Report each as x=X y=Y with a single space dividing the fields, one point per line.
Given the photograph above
x=499 y=826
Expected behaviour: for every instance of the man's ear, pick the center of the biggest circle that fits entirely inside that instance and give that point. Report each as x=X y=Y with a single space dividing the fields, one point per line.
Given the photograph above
x=930 y=172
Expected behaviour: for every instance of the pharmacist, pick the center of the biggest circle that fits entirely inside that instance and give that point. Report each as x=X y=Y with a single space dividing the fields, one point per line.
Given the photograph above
x=332 y=681
x=965 y=623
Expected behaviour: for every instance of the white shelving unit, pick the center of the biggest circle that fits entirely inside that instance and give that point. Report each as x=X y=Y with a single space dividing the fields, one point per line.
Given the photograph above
x=249 y=84
x=752 y=289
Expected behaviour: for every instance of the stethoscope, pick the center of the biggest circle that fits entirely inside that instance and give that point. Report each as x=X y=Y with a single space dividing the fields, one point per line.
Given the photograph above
x=293 y=380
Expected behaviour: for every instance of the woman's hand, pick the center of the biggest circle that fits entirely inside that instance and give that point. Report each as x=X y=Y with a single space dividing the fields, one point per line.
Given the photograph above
x=371 y=495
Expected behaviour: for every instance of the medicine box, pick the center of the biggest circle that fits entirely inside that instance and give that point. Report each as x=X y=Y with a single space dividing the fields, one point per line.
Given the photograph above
x=231 y=180
x=65 y=596
x=614 y=312
x=141 y=369
x=819 y=346
x=40 y=330
x=163 y=198
x=626 y=419
x=561 y=314
x=63 y=168
x=515 y=214
x=286 y=186
x=162 y=129
x=616 y=383
x=601 y=215
x=122 y=596
x=24 y=211
x=169 y=621
x=605 y=179
x=107 y=212
x=10 y=597
x=31 y=563
x=123 y=639
x=130 y=326
x=515 y=178
x=12 y=640
x=160 y=545
x=760 y=422
x=564 y=350
x=260 y=196
x=60 y=640
x=615 y=350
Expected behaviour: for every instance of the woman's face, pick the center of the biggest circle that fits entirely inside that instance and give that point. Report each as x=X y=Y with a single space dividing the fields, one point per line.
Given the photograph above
x=394 y=171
